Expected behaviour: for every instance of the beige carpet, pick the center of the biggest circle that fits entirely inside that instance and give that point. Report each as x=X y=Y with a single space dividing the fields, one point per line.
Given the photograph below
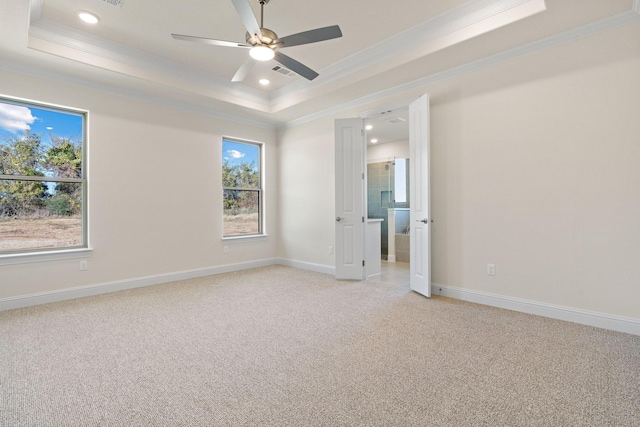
x=279 y=346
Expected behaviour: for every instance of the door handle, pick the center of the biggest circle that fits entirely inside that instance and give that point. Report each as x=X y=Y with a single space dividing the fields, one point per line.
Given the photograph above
x=339 y=219
x=424 y=221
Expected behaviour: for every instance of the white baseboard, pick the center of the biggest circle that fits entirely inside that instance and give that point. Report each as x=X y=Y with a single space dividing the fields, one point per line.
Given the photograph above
x=584 y=317
x=307 y=266
x=103 y=288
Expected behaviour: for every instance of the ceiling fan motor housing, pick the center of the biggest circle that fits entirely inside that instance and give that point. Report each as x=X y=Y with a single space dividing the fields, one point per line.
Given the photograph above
x=268 y=37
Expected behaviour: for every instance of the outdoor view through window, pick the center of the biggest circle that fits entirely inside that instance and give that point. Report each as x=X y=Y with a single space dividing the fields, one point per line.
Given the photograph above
x=42 y=181
x=242 y=188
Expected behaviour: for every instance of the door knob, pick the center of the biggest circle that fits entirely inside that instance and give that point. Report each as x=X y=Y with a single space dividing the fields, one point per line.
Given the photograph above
x=424 y=221
x=339 y=219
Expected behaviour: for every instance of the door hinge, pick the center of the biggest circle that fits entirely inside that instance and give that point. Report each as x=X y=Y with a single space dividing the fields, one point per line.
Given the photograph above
x=362 y=175
x=362 y=219
x=363 y=263
x=362 y=132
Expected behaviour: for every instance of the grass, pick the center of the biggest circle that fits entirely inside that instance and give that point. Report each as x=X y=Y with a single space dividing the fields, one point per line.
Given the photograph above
x=240 y=224
x=60 y=232
x=40 y=233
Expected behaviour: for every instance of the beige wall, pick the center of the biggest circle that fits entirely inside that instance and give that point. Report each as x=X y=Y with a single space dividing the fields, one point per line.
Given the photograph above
x=154 y=191
x=306 y=182
x=535 y=167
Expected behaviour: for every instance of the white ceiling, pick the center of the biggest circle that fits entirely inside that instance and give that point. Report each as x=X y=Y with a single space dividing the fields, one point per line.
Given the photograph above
x=387 y=47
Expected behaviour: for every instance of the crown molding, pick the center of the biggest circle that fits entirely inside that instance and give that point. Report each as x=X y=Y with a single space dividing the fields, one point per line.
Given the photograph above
x=120 y=58
x=35 y=10
x=124 y=59
x=446 y=24
x=585 y=31
x=138 y=95
x=193 y=80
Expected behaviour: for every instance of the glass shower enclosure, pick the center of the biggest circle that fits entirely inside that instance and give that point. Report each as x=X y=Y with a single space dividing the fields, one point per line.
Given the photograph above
x=388 y=188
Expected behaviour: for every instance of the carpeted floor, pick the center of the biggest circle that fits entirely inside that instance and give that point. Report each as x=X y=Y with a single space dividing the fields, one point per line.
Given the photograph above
x=278 y=346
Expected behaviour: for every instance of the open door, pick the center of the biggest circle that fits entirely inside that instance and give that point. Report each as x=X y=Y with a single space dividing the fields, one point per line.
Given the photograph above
x=420 y=214
x=350 y=203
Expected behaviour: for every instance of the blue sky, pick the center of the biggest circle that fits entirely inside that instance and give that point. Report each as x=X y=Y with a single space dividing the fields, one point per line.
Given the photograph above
x=237 y=153
x=14 y=119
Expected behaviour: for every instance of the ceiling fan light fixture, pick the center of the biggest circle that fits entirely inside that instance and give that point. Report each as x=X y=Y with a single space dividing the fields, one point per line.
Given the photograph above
x=261 y=53
x=88 y=17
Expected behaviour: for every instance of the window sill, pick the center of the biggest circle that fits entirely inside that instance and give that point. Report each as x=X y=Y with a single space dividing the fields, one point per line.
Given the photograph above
x=29 y=257
x=242 y=239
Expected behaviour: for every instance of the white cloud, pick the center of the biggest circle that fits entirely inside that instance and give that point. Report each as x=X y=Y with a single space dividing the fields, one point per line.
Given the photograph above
x=235 y=154
x=14 y=118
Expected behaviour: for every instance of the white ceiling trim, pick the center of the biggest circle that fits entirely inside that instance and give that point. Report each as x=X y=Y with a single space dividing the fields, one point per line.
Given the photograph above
x=606 y=24
x=115 y=90
x=622 y=19
x=119 y=58
x=446 y=24
x=142 y=65
x=35 y=10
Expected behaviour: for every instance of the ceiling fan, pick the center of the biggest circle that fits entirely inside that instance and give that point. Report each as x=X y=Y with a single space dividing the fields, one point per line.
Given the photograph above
x=264 y=44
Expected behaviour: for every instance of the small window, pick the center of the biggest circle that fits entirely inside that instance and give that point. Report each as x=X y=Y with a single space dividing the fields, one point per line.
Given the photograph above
x=242 y=188
x=42 y=178
x=401 y=179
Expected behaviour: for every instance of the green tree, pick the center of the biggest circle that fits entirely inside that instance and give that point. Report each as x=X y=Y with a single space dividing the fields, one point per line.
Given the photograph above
x=237 y=179
x=21 y=155
x=64 y=160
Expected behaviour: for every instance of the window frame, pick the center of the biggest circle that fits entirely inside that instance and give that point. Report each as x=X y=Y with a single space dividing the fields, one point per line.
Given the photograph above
x=259 y=189
x=27 y=255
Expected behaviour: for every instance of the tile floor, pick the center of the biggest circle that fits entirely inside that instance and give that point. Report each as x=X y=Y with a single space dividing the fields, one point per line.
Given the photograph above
x=394 y=273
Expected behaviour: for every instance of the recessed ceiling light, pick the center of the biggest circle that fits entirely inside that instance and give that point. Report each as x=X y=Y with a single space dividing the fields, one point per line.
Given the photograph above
x=374 y=140
x=261 y=53
x=88 y=17
x=264 y=82
x=368 y=127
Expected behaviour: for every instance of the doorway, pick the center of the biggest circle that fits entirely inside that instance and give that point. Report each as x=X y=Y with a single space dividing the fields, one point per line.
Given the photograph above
x=388 y=183
x=350 y=199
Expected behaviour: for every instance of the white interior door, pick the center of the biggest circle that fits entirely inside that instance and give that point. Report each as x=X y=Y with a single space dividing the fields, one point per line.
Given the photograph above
x=350 y=203
x=420 y=211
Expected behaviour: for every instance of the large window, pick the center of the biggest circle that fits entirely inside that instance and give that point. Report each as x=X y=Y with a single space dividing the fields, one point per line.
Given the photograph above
x=42 y=178
x=242 y=188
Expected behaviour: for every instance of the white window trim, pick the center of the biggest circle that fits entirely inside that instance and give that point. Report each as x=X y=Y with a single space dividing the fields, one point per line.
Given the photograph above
x=38 y=254
x=245 y=237
x=262 y=217
x=30 y=257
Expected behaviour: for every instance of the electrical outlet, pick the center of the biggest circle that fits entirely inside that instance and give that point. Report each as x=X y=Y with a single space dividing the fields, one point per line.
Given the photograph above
x=84 y=265
x=330 y=249
x=491 y=269
x=225 y=249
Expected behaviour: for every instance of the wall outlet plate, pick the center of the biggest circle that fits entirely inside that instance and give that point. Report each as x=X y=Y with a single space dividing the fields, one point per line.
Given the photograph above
x=491 y=269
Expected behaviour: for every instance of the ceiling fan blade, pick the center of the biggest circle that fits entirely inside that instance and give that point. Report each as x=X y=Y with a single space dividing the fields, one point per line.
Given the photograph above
x=243 y=70
x=208 y=41
x=311 y=36
x=247 y=17
x=295 y=66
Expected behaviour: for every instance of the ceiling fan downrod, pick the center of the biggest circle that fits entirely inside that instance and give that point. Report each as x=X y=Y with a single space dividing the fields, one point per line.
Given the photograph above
x=262 y=3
